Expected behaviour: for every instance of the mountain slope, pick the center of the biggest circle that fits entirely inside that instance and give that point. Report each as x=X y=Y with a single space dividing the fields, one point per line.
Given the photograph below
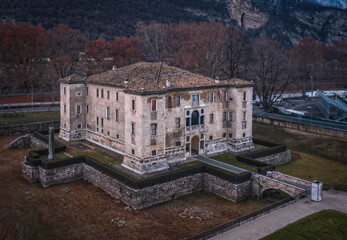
x=285 y=20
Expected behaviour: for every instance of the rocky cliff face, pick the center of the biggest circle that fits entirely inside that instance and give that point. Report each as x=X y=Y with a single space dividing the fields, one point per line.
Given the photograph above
x=289 y=21
x=285 y=20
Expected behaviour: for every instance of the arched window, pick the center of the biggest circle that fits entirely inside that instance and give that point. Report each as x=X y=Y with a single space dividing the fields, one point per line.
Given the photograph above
x=169 y=102
x=195 y=118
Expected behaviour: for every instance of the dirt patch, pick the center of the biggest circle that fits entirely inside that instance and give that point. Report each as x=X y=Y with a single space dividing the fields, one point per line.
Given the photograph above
x=295 y=156
x=80 y=210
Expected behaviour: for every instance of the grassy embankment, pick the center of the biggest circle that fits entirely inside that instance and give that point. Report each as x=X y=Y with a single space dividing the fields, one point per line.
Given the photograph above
x=28 y=117
x=326 y=224
x=317 y=156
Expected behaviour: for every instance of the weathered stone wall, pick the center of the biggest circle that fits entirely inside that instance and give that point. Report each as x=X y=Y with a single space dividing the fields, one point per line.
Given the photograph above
x=27 y=128
x=225 y=189
x=276 y=159
x=216 y=146
x=303 y=127
x=289 y=179
x=138 y=198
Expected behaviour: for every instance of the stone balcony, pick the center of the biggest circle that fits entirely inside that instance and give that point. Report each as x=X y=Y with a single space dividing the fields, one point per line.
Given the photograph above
x=195 y=129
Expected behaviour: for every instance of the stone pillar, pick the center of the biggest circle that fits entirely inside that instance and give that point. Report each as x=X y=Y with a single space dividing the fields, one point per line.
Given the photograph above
x=51 y=143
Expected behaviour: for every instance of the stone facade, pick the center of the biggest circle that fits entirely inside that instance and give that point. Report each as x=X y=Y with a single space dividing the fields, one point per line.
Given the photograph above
x=138 y=198
x=154 y=128
x=276 y=159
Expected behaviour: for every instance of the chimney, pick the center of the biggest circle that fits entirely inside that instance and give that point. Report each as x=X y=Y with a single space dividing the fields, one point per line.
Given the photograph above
x=114 y=67
x=126 y=81
x=217 y=80
x=168 y=83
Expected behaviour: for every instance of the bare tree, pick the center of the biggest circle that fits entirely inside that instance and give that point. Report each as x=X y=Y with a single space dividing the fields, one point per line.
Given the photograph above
x=153 y=39
x=237 y=53
x=269 y=71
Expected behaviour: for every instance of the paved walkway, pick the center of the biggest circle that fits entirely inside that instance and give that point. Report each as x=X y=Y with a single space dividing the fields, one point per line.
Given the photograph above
x=219 y=164
x=278 y=219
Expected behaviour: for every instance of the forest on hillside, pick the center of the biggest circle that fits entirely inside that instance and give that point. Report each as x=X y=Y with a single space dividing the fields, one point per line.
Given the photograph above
x=32 y=56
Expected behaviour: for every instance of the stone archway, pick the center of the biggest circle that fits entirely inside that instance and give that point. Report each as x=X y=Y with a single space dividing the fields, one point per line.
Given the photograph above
x=195 y=146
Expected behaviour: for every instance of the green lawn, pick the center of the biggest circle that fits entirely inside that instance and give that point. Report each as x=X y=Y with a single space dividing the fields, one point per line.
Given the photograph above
x=97 y=155
x=28 y=117
x=322 y=158
x=229 y=158
x=326 y=224
x=313 y=167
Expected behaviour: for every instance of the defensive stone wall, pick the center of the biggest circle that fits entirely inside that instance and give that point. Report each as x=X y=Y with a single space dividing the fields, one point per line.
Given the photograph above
x=302 y=126
x=27 y=128
x=138 y=198
x=276 y=159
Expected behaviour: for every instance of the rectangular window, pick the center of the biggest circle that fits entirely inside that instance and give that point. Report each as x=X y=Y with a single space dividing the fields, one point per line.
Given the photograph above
x=132 y=128
x=225 y=96
x=195 y=99
x=178 y=122
x=211 y=118
x=97 y=92
x=108 y=94
x=224 y=116
x=132 y=104
x=102 y=93
x=202 y=120
x=87 y=109
x=244 y=96
x=178 y=144
x=178 y=100
x=154 y=105
x=231 y=116
x=154 y=152
x=64 y=90
x=97 y=120
x=78 y=109
x=230 y=135
x=211 y=97
x=108 y=112
x=244 y=116
x=117 y=115
x=243 y=134
x=154 y=129
x=224 y=135
x=64 y=108
x=102 y=122
x=187 y=122
x=202 y=145
x=117 y=96
x=133 y=151
x=79 y=126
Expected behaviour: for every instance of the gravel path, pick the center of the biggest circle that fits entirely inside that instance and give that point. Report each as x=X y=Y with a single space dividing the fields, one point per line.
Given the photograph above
x=276 y=220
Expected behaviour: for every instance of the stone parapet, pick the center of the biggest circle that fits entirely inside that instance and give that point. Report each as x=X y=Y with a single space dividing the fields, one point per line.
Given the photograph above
x=216 y=146
x=147 y=165
x=240 y=145
x=138 y=198
x=276 y=159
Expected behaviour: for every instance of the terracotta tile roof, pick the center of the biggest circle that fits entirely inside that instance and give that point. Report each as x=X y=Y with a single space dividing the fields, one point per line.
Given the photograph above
x=152 y=77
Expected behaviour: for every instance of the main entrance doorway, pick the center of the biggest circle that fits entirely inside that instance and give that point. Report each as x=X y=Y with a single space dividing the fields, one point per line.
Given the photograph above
x=195 y=146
